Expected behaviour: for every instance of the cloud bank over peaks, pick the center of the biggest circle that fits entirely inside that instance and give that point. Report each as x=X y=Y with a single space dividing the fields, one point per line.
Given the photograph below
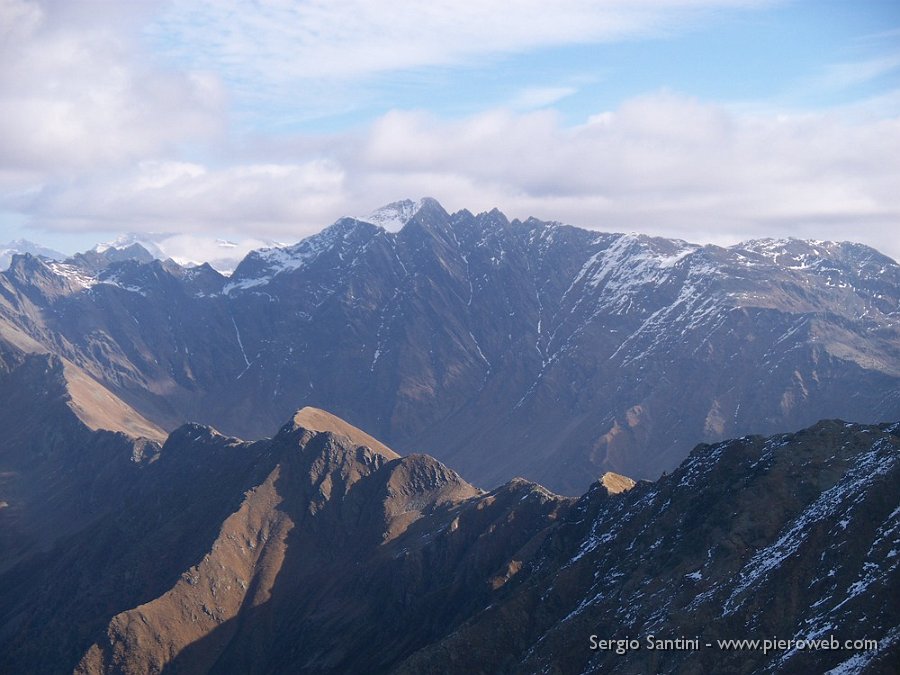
x=120 y=117
x=662 y=163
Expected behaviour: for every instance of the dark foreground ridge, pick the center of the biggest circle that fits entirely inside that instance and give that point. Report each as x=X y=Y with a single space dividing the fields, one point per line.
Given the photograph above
x=321 y=550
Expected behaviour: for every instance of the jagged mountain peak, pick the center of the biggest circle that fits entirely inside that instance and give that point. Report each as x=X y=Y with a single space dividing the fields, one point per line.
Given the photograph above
x=53 y=280
x=99 y=258
x=24 y=262
x=353 y=534
x=193 y=433
x=429 y=218
x=47 y=278
x=261 y=266
x=319 y=421
x=147 y=241
x=131 y=268
x=395 y=215
x=493 y=217
x=20 y=246
x=616 y=483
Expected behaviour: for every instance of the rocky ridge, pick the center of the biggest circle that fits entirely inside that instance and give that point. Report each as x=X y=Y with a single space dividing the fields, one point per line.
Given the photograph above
x=321 y=550
x=506 y=347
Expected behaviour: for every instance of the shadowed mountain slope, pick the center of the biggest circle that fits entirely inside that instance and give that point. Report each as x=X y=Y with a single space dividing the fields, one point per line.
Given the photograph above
x=793 y=537
x=268 y=555
x=321 y=550
x=506 y=348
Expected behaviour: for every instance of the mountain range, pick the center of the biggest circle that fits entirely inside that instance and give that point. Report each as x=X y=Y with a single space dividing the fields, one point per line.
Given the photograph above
x=209 y=473
x=503 y=347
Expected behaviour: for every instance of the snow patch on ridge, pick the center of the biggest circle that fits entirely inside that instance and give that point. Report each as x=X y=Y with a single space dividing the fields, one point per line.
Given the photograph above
x=286 y=259
x=395 y=215
x=73 y=274
x=869 y=466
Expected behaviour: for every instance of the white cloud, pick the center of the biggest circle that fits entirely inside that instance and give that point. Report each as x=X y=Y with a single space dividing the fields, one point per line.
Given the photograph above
x=540 y=97
x=192 y=249
x=77 y=93
x=663 y=163
x=163 y=196
x=843 y=75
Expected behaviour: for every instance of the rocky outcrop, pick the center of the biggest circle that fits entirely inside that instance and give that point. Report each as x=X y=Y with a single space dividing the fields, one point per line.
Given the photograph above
x=792 y=537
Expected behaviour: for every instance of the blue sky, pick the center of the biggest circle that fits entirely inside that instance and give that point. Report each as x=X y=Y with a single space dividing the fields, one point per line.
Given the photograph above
x=709 y=120
x=786 y=55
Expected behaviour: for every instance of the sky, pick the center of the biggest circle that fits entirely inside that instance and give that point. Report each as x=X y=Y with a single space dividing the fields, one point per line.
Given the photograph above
x=713 y=121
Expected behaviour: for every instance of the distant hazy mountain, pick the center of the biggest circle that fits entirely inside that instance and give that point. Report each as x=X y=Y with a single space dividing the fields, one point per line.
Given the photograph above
x=188 y=250
x=19 y=246
x=504 y=348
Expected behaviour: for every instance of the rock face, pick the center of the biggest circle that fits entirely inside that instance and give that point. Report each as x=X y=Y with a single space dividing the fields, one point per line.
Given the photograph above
x=342 y=559
x=57 y=474
x=321 y=550
x=795 y=537
x=505 y=348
